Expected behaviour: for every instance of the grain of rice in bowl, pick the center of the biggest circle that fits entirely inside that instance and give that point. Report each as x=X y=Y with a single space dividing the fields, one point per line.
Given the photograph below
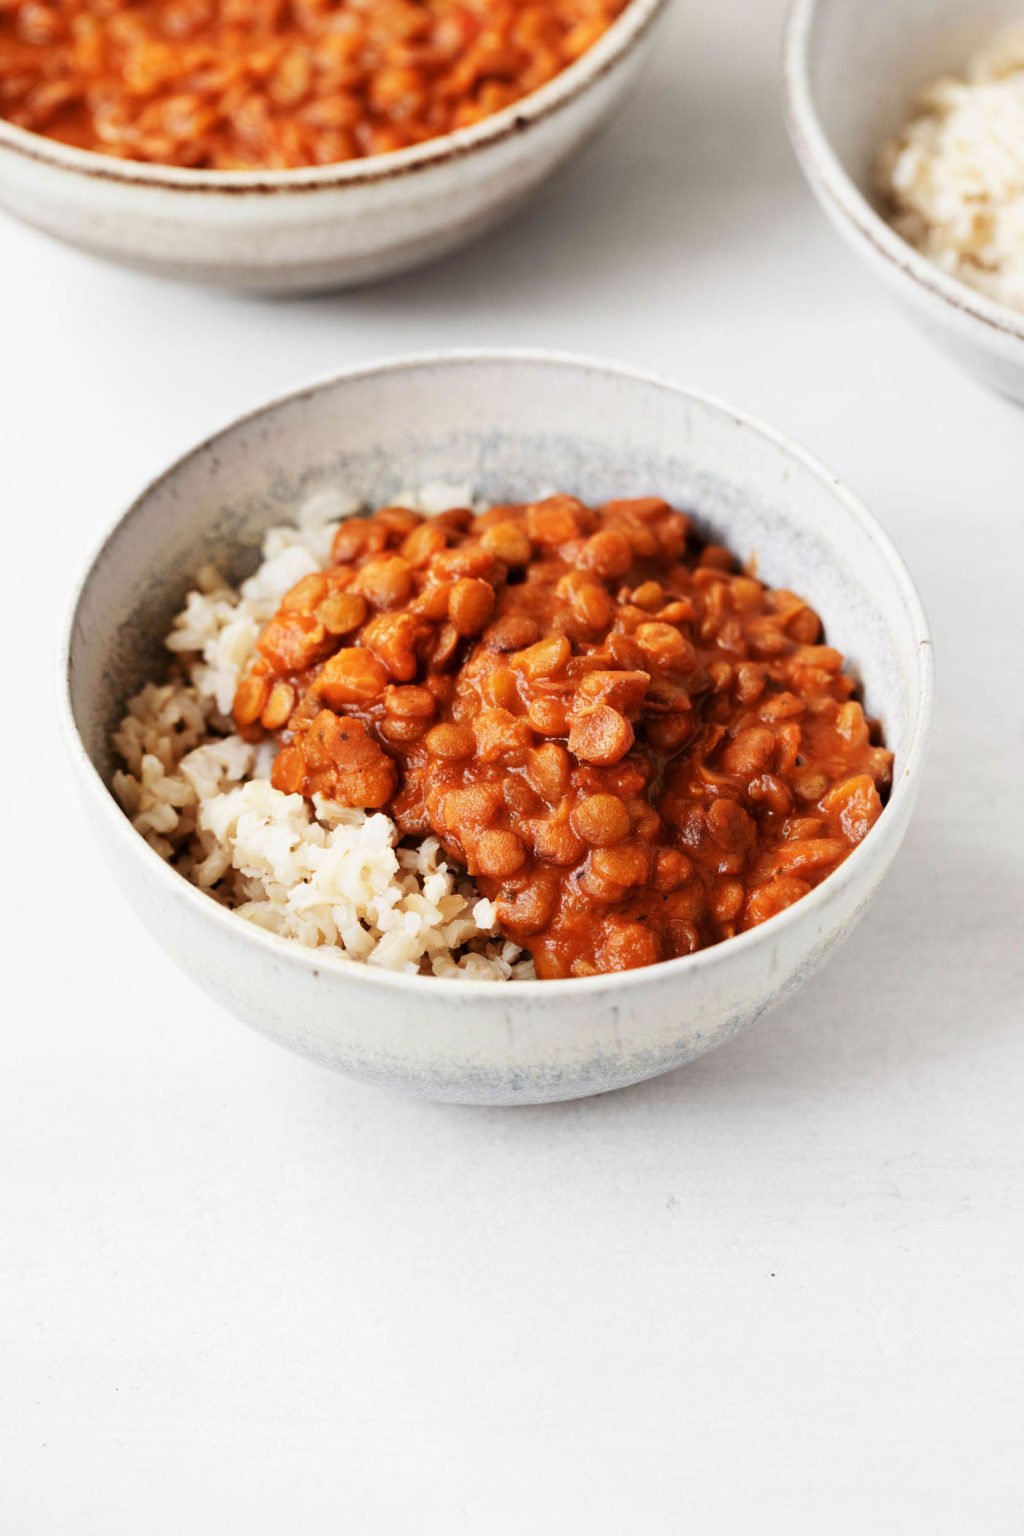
x=321 y=874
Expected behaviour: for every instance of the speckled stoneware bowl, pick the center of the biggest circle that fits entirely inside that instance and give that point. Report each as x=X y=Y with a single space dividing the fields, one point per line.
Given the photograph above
x=330 y=226
x=510 y=425
x=853 y=68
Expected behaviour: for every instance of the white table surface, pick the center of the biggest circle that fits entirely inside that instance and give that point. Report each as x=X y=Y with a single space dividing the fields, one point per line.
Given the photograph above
x=777 y=1291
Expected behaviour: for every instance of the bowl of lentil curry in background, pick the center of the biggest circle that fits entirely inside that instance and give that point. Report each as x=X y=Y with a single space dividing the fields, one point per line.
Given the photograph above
x=440 y=737
x=303 y=145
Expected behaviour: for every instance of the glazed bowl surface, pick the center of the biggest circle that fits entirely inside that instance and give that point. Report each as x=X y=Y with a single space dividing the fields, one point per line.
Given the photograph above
x=852 y=71
x=510 y=425
x=323 y=227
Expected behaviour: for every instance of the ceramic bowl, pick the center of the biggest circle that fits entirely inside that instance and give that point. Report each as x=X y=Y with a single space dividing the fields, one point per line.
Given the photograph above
x=852 y=70
x=509 y=425
x=330 y=226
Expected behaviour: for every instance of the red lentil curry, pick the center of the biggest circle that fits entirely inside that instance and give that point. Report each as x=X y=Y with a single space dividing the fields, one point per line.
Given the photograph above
x=271 y=84
x=634 y=747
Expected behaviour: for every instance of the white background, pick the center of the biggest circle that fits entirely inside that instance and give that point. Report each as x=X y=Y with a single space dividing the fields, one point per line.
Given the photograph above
x=778 y=1291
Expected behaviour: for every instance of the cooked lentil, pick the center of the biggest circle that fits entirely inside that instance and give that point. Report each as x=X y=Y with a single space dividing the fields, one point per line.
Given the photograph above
x=634 y=747
x=272 y=84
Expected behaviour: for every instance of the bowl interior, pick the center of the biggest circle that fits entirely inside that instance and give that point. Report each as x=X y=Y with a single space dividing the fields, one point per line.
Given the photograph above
x=510 y=428
x=867 y=60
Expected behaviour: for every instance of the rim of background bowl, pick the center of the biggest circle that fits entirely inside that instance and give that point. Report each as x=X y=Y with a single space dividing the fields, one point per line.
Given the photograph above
x=624 y=34
x=827 y=174
x=322 y=959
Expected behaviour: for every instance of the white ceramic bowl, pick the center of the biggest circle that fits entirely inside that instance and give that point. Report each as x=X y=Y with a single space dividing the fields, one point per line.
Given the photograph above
x=329 y=226
x=853 y=68
x=509 y=425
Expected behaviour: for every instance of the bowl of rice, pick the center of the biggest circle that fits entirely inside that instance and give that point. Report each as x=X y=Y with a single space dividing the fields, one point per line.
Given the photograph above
x=908 y=121
x=320 y=925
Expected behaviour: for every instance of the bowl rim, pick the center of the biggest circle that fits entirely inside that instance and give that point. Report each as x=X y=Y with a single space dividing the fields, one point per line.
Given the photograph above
x=833 y=183
x=322 y=960
x=621 y=38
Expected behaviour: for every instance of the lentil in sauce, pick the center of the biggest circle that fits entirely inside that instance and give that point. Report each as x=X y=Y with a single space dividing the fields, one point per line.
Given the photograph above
x=635 y=748
x=273 y=84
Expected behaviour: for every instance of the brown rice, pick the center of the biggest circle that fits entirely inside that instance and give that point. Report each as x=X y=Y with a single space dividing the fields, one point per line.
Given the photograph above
x=320 y=874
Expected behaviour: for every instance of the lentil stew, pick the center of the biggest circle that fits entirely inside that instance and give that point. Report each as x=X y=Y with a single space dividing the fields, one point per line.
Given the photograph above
x=274 y=84
x=636 y=748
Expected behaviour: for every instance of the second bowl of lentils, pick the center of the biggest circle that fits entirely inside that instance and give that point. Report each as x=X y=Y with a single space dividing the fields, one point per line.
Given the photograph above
x=313 y=146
